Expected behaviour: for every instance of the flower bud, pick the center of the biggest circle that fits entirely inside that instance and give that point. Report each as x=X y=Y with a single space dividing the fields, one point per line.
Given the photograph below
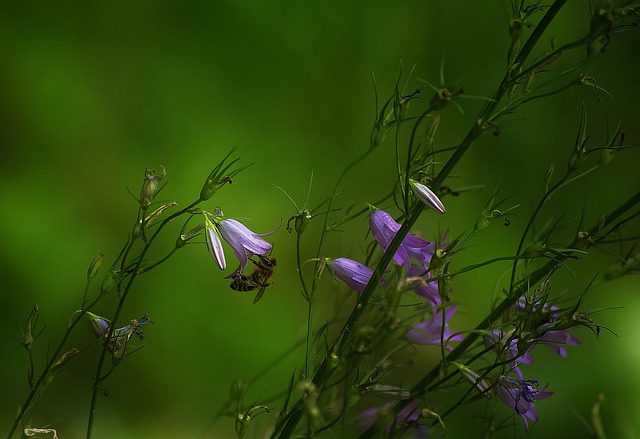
x=98 y=326
x=94 y=267
x=150 y=186
x=378 y=133
x=426 y=195
x=300 y=222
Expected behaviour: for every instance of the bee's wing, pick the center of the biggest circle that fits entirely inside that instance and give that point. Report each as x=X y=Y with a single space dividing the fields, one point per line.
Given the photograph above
x=259 y=295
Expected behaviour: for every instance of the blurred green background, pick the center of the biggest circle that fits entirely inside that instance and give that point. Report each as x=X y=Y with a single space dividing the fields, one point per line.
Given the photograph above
x=91 y=94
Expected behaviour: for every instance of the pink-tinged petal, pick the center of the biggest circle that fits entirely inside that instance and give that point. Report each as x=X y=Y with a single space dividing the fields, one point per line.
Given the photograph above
x=426 y=195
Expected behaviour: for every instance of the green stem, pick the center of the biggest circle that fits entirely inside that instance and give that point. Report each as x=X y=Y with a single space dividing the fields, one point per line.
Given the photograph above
x=424 y=385
x=54 y=357
x=98 y=378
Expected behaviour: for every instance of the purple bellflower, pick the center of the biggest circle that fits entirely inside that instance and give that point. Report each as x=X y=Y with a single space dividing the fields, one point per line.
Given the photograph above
x=353 y=273
x=520 y=396
x=244 y=242
x=384 y=229
x=430 y=331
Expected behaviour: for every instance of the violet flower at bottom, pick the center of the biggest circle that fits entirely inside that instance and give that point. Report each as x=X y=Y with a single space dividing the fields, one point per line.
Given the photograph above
x=520 y=396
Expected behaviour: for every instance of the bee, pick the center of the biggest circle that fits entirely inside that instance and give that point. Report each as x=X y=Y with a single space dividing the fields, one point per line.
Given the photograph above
x=259 y=279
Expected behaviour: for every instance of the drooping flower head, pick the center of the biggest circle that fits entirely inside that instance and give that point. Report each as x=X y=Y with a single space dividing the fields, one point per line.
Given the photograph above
x=520 y=396
x=430 y=331
x=384 y=229
x=353 y=273
x=244 y=242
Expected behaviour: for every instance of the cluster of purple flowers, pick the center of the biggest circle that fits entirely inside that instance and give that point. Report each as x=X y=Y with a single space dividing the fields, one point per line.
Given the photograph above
x=415 y=255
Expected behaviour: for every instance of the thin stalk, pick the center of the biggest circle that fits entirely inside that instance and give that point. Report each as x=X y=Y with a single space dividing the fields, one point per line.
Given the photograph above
x=54 y=357
x=535 y=277
x=528 y=227
x=98 y=378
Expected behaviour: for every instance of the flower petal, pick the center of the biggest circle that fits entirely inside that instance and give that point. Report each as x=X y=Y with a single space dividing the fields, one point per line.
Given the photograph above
x=214 y=244
x=427 y=196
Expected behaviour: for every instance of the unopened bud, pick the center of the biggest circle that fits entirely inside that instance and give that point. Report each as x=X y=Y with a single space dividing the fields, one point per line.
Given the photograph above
x=94 y=267
x=150 y=186
x=378 y=133
x=426 y=195
x=300 y=222
x=98 y=326
x=607 y=156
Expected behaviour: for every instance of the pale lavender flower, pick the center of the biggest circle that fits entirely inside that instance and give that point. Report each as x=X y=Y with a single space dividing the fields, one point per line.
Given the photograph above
x=520 y=396
x=243 y=241
x=430 y=331
x=353 y=273
x=426 y=195
x=384 y=229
